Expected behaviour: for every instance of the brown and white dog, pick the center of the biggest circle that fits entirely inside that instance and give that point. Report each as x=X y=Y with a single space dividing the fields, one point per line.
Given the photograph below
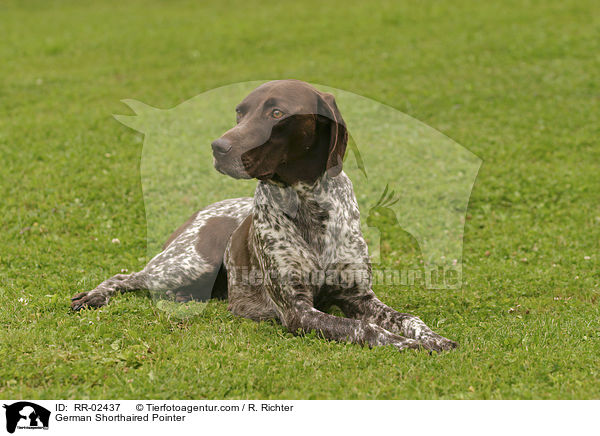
x=296 y=248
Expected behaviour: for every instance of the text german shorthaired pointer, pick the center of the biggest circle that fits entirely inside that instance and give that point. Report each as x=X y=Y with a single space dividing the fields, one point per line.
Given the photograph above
x=293 y=250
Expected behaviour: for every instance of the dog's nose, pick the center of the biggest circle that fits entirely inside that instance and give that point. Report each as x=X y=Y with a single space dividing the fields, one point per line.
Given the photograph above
x=221 y=146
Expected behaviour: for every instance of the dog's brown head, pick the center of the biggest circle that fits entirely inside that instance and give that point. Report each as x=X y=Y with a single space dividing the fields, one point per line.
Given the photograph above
x=286 y=131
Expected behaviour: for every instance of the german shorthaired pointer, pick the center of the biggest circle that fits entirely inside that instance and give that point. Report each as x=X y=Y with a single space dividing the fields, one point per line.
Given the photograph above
x=293 y=250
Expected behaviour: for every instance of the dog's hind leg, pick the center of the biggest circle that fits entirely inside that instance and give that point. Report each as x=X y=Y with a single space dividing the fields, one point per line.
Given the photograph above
x=190 y=265
x=102 y=293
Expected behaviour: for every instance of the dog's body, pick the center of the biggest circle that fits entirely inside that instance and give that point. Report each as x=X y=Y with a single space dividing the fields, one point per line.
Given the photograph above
x=296 y=248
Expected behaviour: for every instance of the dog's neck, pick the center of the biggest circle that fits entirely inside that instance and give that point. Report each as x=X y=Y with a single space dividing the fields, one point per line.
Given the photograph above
x=292 y=199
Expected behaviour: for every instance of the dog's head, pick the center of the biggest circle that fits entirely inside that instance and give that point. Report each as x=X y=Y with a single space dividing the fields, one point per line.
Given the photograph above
x=286 y=131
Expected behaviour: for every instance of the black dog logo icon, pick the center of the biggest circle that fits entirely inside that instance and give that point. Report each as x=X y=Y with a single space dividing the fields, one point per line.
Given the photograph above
x=28 y=415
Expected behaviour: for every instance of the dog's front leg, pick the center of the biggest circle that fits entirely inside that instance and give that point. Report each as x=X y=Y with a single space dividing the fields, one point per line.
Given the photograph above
x=292 y=295
x=370 y=309
x=354 y=295
x=286 y=269
x=301 y=320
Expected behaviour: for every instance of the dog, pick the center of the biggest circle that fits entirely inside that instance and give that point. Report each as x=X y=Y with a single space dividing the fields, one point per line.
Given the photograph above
x=292 y=251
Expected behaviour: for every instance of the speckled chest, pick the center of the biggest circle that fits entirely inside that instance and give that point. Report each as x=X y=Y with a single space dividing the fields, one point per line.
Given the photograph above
x=322 y=219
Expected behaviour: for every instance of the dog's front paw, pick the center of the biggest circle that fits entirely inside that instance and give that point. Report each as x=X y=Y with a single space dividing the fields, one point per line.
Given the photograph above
x=439 y=343
x=88 y=299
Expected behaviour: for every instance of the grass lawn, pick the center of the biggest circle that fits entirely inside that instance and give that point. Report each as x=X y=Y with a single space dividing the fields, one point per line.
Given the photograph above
x=516 y=83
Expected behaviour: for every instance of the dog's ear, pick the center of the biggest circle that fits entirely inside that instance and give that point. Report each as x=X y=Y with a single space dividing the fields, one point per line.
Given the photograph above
x=338 y=138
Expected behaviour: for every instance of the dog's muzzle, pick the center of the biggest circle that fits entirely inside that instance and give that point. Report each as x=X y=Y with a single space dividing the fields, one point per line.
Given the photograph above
x=226 y=161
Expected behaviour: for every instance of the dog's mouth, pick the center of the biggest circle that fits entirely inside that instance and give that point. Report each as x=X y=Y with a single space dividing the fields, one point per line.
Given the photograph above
x=217 y=166
x=230 y=168
x=257 y=169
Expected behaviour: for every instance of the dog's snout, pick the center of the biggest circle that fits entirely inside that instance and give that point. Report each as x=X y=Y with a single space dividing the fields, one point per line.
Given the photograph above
x=221 y=146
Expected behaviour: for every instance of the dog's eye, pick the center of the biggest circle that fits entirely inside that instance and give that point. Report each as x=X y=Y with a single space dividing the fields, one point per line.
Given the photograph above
x=276 y=113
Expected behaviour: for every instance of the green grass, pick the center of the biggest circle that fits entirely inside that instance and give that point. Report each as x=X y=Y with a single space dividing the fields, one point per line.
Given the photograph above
x=516 y=83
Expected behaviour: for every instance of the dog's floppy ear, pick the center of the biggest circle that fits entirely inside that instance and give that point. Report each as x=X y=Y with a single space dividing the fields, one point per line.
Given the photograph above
x=338 y=133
